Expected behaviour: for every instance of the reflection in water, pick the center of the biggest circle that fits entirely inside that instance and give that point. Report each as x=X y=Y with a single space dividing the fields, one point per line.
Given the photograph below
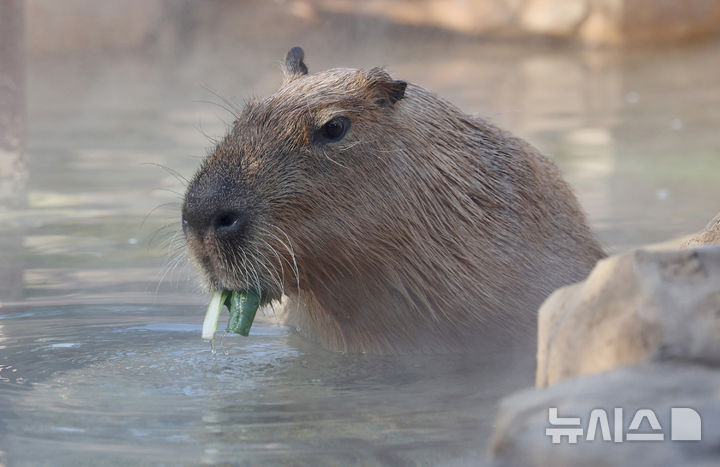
x=100 y=364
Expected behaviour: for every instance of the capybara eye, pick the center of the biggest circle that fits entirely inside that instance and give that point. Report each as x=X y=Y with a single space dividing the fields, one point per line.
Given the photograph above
x=334 y=130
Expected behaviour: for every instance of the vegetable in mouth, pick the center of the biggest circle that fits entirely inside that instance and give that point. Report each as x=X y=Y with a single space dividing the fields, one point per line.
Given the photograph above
x=243 y=305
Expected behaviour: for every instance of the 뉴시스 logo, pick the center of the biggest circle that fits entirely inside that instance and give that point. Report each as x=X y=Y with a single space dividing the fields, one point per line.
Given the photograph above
x=684 y=424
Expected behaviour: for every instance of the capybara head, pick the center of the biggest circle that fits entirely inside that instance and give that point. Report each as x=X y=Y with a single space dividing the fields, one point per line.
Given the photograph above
x=300 y=176
x=392 y=220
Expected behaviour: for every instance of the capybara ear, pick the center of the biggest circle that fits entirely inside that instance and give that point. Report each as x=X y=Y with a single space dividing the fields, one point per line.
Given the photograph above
x=388 y=90
x=294 y=65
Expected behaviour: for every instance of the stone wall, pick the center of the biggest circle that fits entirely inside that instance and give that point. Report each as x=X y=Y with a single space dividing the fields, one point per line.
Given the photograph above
x=595 y=22
x=102 y=25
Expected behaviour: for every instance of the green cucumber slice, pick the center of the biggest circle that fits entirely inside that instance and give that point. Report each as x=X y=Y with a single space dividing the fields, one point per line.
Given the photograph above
x=243 y=306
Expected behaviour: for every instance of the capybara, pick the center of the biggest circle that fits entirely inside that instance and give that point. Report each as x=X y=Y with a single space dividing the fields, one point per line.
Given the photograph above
x=389 y=220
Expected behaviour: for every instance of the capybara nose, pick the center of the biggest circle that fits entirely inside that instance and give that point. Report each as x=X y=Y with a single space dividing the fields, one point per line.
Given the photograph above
x=227 y=224
x=223 y=224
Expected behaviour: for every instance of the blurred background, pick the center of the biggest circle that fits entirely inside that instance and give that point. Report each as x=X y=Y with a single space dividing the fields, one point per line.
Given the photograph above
x=106 y=106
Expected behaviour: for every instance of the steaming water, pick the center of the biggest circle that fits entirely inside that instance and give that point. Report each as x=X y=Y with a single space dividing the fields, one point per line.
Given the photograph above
x=101 y=362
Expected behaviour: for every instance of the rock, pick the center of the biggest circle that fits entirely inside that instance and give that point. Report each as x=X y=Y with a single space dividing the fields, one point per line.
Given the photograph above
x=622 y=22
x=554 y=17
x=495 y=16
x=616 y=22
x=633 y=356
x=709 y=236
x=650 y=21
x=636 y=307
x=520 y=437
x=87 y=25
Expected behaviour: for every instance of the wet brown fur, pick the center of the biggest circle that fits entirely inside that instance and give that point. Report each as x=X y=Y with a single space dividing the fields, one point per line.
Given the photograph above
x=423 y=230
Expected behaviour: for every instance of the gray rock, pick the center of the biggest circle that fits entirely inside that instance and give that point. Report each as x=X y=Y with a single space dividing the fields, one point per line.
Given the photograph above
x=636 y=307
x=520 y=438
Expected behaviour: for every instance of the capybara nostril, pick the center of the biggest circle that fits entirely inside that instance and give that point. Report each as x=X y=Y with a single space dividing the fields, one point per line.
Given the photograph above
x=229 y=224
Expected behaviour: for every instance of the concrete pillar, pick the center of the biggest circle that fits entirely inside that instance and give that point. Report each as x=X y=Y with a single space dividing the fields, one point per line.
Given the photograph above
x=13 y=169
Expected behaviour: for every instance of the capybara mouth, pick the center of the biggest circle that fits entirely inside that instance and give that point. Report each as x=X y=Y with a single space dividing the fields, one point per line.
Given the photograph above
x=268 y=291
x=219 y=278
x=226 y=267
